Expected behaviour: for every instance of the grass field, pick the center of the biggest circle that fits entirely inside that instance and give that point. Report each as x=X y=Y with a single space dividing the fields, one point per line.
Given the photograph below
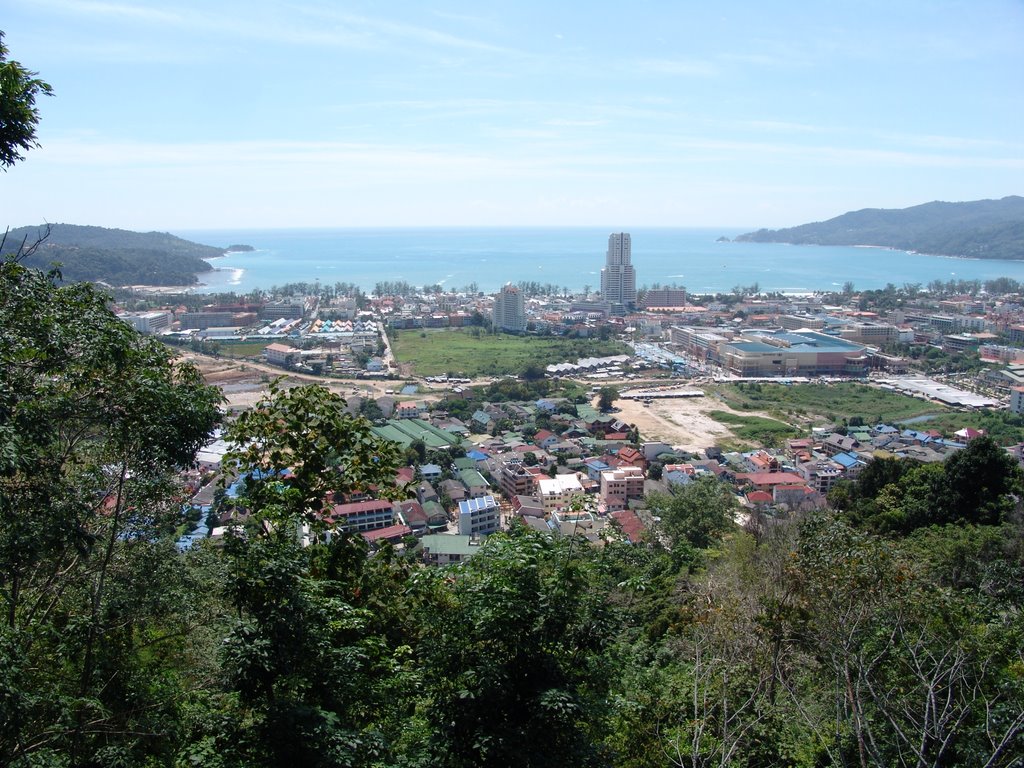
x=755 y=429
x=1004 y=427
x=459 y=352
x=242 y=349
x=827 y=403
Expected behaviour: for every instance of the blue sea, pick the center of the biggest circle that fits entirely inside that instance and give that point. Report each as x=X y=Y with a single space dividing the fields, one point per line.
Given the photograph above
x=569 y=257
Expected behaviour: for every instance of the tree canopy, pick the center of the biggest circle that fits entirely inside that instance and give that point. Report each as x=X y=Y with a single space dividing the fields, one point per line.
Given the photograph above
x=19 y=115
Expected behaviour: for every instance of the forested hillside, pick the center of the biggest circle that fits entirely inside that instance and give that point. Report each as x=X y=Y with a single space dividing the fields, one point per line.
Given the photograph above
x=983 y=229
x=114 y=256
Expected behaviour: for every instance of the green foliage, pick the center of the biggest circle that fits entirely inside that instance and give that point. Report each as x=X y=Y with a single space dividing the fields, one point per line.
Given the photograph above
x=512 y=655
x=695 y=516
x=828 y=403
x=754 y=427
x=116 y=256
x=606 y=397
x=299 y=447
x=19 y=115
x=974 y=486
x=94 y=422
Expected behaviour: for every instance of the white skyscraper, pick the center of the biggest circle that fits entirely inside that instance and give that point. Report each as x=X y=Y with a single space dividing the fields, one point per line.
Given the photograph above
x=618 y=280
x=510 y=310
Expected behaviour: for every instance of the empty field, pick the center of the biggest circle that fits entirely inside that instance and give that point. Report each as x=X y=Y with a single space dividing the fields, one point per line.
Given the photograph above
x=461 y=352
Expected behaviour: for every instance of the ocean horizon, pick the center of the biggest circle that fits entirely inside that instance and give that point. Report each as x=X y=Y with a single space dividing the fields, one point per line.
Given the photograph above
x=567 y=257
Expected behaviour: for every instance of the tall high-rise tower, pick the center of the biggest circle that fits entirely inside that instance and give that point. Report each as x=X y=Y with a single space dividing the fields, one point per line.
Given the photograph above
x=618 y=280
x=510 y=310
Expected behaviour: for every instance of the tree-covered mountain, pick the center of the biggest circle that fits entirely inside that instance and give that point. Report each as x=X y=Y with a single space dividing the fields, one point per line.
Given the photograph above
x=982 y=229
x=114 y=256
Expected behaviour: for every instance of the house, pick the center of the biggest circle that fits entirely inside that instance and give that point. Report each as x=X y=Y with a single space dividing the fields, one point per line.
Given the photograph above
x=765 y=481
x=821 y=475
x=836 y=443
x=796 y=496
x=454 y=490
x=394 y=534
x=516 y=480
x=850 y=463
x=761 y=461
x=431 y=472
x=425 y=492
x=281 y=354
x=528 y=506
x=412 y=514
x=474 y=483
x=968 y=433
x=630 y=524
x=594 y=467
x=631 y=456
x=545 y=438
x=410 y=409
x=437 y=517
x=760 y=499
x=443 y=549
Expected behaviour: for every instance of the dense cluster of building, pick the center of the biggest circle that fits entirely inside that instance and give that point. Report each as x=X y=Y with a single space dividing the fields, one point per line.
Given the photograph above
x=581 y=473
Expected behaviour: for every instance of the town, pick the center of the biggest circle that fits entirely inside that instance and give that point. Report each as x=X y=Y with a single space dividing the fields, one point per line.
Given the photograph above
x=570 y=459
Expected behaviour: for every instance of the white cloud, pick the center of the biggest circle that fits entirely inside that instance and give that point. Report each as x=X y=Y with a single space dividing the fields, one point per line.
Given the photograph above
x=682 y=67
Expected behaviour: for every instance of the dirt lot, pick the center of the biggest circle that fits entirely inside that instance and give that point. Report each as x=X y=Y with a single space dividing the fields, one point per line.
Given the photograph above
x=682 y=422
x=243 y=383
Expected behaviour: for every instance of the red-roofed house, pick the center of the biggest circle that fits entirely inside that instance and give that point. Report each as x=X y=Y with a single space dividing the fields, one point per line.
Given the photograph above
x=631 y=525
x=765 y=481
x=393 y=533
x=969 y=433
x=545 y=438
x=760 y=498
x=632 y=457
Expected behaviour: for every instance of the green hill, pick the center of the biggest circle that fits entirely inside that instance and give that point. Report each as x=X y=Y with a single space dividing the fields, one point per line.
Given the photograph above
x=114 y=256
x=982 y=229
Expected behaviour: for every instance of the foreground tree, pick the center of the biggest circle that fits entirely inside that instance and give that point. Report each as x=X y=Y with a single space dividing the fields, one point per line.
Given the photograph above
x=19 y=88
x=313 y=662
x=513 y=649
x=95 y=420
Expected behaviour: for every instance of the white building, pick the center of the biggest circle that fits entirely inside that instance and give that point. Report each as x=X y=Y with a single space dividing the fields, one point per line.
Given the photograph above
x=558 y=492
x=618 y=280
x=510 y=310
x=480 y=516
x=148 y=322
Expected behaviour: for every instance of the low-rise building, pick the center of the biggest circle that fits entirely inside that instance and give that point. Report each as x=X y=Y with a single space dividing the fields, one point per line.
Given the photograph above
x=281 y=354
x=625 y=482
x=446 y=548
x=148 y=322
x=558 y=492
x=363 y=515
x=479 y=516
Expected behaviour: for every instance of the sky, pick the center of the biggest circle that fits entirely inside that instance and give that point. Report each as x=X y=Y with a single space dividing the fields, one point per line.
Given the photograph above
x=217 y=114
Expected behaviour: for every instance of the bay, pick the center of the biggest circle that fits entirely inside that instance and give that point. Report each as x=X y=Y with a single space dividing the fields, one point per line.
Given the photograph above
x=569 y=257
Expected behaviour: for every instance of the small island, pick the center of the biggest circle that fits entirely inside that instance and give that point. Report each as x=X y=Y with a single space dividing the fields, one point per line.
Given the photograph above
x=239 y=249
